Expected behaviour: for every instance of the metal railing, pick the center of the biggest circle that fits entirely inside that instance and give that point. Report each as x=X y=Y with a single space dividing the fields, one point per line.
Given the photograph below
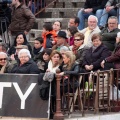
x=96 y=92
x=38 y=6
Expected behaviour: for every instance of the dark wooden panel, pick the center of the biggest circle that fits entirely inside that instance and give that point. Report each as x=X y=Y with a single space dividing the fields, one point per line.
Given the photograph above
x=11 y=102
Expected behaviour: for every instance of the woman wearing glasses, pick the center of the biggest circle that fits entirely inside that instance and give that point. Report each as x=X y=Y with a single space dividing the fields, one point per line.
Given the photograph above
x=25 y=64
x=79 y=48
x=5 y=66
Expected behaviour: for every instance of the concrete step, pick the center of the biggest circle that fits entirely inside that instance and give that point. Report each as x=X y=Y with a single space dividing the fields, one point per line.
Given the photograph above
x=68 y=4
x=34 y=33
x=62 y=12
x=72 y=3
x=41 y=21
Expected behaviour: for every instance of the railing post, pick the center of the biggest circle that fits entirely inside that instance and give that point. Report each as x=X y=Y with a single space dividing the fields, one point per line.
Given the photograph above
x=58 y=114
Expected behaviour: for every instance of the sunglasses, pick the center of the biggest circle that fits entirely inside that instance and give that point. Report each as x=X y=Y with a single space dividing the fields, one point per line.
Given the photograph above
x=77 y=39
x=3 y=59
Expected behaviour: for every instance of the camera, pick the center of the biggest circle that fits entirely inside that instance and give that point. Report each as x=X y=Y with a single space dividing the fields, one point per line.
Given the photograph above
x=5 y=1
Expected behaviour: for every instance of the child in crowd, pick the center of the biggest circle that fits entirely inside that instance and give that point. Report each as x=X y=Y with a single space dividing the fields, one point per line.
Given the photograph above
x=38 y=48
x=43 y=62
x=48 y=35
x=70 y=32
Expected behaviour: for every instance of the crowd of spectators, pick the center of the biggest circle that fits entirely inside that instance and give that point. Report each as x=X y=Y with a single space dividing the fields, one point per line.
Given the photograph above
x=78 y=49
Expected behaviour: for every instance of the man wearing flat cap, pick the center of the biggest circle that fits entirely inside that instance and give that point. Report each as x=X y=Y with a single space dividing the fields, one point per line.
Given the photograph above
x=61 y=41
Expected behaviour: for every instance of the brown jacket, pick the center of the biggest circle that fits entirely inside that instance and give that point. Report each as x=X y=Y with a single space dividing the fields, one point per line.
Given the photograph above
x=22 y=20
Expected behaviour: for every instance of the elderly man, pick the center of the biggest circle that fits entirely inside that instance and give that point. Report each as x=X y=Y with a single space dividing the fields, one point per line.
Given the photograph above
x=61 y=41
x=109 y=10
x=109 y=34
x=91 y=7
x=90 y=30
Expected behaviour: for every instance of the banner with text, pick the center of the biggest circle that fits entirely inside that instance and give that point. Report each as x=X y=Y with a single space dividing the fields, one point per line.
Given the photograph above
x=19 y=97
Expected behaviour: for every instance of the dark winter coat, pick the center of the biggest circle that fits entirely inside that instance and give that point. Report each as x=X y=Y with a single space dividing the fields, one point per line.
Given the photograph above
x=109 y=38
x=96 y=57
x=29 y=67
x=72 y=74
x=115 y=57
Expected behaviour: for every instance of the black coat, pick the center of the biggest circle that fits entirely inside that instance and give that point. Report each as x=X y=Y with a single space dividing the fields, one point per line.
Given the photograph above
x=29 y=67
x=95 y=4
x=96 y=57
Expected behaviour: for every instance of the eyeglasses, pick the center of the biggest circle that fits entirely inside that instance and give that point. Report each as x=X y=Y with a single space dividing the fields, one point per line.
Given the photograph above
x=23 y=56
x=3 y=59
x=77 y=39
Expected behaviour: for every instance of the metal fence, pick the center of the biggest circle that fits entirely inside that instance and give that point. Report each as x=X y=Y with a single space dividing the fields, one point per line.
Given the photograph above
x=97 y=92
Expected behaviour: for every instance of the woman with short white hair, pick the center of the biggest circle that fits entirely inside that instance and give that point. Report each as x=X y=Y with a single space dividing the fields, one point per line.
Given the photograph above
x=25 y=64
x=5 y=66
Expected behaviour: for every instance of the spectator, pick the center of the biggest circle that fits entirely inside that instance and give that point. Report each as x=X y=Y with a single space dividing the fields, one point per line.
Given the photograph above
x=48 y=35
x=38 y=48
x=5 y=19
x=69 y=69
x=43 y=62
x=74 y=22
x=14 y=57
x=64 y=49
x=57 y=25
x=61 y=41
x=3 y=47
x=91 y=7
x=109 y=34
x=20 y=39
x=115 y=57
x=22 y=20
x=5 y=66
x=109 y=10
x=70 y=32
x=25 y=65
x=95 y=55
x=79 y=48
x=90 y=30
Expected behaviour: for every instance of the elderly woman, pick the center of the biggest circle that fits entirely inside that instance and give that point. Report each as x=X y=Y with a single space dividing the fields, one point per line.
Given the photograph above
x=115 y=57
x=5 y=66
x=79 y=48
x=25 y=65
x=96 y=54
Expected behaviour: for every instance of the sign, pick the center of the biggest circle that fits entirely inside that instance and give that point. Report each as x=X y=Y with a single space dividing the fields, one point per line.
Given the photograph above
x=19 y=97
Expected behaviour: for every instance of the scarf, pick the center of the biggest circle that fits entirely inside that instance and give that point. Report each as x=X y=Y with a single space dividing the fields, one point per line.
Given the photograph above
x=54 y=35
x=51 y=68
x=37 y=51
x=94 y=48
x=75 y=48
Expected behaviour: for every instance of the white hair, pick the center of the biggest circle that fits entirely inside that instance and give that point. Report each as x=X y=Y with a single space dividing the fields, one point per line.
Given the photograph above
x=92 y=16
x=65 y=48
x=24 y=51
x=3 y=53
